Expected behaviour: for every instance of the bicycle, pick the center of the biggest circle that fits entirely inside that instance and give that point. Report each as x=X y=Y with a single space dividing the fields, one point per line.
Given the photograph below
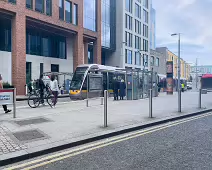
x=34 y=99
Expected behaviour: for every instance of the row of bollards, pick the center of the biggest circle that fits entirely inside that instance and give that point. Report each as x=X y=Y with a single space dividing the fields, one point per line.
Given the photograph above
x=104 y=101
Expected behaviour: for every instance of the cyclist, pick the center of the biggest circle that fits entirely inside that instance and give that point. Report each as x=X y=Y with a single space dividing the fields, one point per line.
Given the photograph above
x=41 y=86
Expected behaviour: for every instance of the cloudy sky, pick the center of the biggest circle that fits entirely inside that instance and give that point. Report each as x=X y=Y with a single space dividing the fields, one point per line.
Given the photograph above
x=192 y=18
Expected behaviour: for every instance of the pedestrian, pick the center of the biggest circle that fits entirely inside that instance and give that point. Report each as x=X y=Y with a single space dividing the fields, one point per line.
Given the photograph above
x=54 y=88
x=122 y=89
x=159 y=87
x=183 y=87
x=41 y=86
x=115 y=88
x=6 y=110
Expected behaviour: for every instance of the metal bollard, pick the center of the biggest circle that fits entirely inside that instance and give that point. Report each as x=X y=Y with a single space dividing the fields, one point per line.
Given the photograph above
x=200 y=98
x=102 y=99
x=150 y=103
x=105 y=108
x=14 y=103
x=87 y=102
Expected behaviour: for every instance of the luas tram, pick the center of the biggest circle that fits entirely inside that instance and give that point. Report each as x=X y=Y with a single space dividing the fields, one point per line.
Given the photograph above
x=78 y=86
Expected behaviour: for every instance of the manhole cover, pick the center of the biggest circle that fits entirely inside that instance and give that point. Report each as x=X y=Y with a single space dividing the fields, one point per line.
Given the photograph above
x=29 y=135
x=31 y=121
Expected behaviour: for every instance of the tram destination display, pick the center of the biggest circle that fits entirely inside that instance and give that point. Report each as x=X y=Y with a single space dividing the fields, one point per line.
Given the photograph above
x=95 y=82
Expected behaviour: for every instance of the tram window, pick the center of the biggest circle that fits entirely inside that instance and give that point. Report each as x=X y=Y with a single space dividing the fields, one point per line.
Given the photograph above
x=76 y=81
x=84 y=87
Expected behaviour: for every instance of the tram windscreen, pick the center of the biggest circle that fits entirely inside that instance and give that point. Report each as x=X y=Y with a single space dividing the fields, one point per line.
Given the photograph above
x=78 y=77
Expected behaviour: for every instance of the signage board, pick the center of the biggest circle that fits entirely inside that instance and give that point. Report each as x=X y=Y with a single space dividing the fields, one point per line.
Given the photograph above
x=169 y=77
x=95 y=82
x=6 y=96
x=169 y=67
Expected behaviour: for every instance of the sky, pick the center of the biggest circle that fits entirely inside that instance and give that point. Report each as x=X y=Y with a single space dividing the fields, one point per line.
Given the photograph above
x=191 y=18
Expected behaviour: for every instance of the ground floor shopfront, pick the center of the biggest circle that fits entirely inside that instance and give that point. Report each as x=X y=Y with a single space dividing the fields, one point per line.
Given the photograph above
x=29 y=47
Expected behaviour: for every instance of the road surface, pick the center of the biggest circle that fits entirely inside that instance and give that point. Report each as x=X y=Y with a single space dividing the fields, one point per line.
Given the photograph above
x=185 y=144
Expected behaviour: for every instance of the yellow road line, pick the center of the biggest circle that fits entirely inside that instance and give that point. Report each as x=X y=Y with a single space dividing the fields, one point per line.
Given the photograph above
x=74 y=152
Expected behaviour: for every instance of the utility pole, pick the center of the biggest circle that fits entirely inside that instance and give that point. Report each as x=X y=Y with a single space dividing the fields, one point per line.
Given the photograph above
x=196 y=73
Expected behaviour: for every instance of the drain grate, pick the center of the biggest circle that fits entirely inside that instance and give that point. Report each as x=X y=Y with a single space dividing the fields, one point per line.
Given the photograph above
x=31 y=121
x=29 y=135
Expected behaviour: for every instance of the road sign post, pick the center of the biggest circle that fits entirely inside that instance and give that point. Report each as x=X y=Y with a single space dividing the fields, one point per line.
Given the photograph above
x=8 y=97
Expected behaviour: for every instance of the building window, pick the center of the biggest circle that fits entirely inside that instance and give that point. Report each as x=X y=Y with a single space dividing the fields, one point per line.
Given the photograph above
x=54 y=68
x=145 y=31
x=157 y=62
x=28 y=72
x=146 y=3
x=128 y=4
x=12 y=1
x=49 y=7
x=45 y=44
x=145 y=15
x=137 y=58
x=139 y=1
x=137 y=10
x=90 y=14
x=128 y=39
x=5 y=35
x=128 y=22
x=61 y=9
x=68 y=11
x=145 y=45
x=29 y=4
x=145 y=60
x=75 y=14
x=137 y=26
x=137 y=42
x=152 y=61
x=107 y=23
x=128 y=56
x=39 y=5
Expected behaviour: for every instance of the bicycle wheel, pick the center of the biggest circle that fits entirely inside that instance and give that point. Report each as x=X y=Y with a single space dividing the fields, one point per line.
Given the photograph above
x=33 y=100
x=49 y=99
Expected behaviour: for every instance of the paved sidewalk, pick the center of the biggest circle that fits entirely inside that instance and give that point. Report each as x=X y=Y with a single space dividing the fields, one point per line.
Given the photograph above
x=38 y=129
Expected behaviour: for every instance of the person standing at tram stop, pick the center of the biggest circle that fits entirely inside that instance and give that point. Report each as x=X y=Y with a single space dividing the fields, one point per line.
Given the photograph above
x=122 y=89
x=1 y=87
x=115 y=88
x=54 y=88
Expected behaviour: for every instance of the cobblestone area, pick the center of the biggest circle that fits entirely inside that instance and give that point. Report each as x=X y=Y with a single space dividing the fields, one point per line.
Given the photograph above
x=8 y=145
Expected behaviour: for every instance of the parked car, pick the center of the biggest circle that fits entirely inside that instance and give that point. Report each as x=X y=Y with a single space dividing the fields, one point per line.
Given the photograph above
x=189 y=85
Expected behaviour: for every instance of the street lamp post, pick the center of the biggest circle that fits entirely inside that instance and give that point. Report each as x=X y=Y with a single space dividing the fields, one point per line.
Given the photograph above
x=179 y=84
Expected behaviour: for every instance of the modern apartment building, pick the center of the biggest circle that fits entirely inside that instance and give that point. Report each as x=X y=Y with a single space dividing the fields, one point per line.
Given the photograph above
x=132 y=35
x=108 y=29
x=48 y=36
x=152 y=28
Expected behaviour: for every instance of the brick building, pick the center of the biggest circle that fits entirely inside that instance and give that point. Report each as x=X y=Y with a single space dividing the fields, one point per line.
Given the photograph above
x=47 y=35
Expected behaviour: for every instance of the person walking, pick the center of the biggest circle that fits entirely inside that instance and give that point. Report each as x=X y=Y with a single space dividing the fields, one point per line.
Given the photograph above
x=159 y=87
x=6 y=110
x=41 y=88
x=122 y=89
x=54 y=88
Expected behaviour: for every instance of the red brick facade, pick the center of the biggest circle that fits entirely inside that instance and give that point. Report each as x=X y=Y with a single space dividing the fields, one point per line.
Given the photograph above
x=20 y=17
